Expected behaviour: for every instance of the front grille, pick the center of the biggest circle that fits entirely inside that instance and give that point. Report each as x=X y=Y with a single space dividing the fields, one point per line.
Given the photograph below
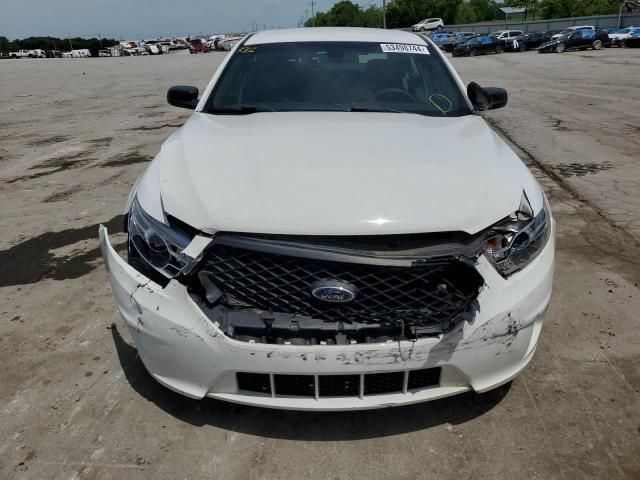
x=378 y=383
x=338 y=385
x=254 y=382
x=295 y=385
x=434 y=293
x=423 y=378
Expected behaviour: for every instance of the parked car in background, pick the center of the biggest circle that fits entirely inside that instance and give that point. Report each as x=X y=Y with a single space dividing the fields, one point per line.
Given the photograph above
x=633 y=40
x=217 y=42
x=569 y=30
x=524 y=42
x=477 y=45
x=198 y=46
x=329 y=295
x=440 y=37
x=618 y=38
x=228 y=43
x=449 y=44
x=104 y=52
x=428 y=24
x=21 y=54
x=576 y=40
x=506 y=36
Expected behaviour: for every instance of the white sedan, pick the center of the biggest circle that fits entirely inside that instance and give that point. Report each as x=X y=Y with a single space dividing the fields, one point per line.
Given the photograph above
x=293 y=246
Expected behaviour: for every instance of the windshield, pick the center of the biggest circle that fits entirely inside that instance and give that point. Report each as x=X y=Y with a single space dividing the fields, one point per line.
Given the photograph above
x=337 y=76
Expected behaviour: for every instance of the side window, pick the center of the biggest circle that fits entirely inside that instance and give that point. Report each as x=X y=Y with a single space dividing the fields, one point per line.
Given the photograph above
x=588 y=34
x=485 y=40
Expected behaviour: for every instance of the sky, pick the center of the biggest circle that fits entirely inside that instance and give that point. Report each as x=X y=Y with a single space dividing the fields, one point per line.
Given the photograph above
x=138 y=19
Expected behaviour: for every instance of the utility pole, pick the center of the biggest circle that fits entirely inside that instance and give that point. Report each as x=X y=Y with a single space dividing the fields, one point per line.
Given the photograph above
x=384 y=14
x=313 y=15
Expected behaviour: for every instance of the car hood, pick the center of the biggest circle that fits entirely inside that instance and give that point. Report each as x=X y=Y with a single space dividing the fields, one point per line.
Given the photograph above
x=326 y=173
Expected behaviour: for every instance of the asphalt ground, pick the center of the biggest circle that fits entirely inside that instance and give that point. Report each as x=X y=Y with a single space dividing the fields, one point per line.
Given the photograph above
x=76 y=402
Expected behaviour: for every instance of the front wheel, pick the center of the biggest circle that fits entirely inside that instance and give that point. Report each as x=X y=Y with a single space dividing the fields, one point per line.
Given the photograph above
x=597 y=44
x=499 y=49
x=472 y=52
x=523 y=47
x=561 y=47
x=622 y=44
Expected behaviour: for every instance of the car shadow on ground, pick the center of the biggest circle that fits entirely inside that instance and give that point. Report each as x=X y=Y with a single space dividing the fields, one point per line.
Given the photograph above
x=293 y=425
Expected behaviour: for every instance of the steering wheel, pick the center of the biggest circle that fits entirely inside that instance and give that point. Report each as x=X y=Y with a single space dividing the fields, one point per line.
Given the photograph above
x=395 y=91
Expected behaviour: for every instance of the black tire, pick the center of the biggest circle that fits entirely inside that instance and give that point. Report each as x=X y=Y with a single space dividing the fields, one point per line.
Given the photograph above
x=561 y=47
x=523 y=47
x=473 y=52
x=622 y=44
x=597 y=45
x=499 y=49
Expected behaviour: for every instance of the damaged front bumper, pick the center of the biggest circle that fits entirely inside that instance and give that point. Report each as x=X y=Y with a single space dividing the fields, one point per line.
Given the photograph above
x=186 y=352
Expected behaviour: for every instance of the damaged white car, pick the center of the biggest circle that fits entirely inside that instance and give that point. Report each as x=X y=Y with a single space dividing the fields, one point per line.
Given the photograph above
x=335 y=228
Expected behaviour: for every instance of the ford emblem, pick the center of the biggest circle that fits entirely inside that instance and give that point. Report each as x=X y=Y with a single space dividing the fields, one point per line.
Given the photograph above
x=333 y=291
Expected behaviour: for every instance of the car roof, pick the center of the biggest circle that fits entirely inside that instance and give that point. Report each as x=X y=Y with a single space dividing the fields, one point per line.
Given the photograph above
x=335 y=34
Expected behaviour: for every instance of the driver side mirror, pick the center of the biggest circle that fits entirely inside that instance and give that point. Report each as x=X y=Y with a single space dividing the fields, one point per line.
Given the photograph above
x=488 y=98
x=183 y=97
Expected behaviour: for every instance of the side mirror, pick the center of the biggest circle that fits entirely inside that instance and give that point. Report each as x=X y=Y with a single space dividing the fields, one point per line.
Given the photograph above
x=488 y=98
x=183 y=97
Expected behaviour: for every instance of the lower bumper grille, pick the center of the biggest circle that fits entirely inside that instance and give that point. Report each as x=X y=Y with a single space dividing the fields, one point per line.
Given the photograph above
x=338 y=385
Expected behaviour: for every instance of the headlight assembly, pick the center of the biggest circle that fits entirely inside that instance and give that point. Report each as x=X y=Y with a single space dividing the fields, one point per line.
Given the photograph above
x=154 y=245
x=516 y=241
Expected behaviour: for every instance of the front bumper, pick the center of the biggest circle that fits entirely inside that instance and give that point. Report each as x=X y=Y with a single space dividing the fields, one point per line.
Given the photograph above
x=183 y=350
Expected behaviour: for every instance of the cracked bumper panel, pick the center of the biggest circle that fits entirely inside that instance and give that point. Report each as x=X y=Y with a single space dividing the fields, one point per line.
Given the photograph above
x=184 y=351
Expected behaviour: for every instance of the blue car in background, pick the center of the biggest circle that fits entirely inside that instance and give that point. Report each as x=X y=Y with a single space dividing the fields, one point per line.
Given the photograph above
x=440 y=37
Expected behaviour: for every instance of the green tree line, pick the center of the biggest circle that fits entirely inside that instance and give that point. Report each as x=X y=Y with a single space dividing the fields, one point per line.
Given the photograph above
x=54 y=43
x=404 y=13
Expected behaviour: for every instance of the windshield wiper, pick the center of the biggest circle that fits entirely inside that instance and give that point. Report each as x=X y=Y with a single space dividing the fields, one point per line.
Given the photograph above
x=239 y=110
x=362 y=108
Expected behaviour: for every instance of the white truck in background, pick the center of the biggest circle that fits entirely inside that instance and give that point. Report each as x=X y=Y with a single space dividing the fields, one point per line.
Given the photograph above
x=20 y=54
x=28 y=54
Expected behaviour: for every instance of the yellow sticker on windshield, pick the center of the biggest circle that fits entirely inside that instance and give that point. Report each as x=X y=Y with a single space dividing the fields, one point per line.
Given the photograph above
x=404 y=48
x=247 y=50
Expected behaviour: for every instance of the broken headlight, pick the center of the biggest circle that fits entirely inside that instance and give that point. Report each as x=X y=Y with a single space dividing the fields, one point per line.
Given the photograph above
x=154 y=245
x=514 y=242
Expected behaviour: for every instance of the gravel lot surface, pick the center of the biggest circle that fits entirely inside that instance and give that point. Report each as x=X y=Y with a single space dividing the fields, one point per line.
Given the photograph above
x=76 y=402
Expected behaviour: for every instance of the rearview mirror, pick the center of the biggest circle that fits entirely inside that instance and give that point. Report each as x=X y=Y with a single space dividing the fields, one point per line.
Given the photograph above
x=183 y=96
x=488 y=98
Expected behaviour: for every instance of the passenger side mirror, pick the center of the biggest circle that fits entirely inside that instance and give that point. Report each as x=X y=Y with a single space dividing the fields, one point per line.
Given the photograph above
x=488 y=98
x=183 y=96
